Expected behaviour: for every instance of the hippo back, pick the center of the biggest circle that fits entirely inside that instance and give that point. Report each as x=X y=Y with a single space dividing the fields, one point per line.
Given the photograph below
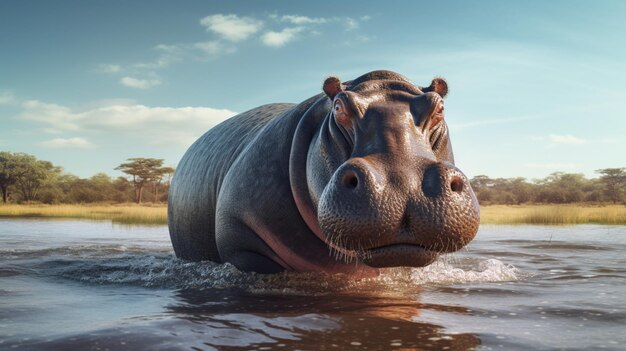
x=198 y=179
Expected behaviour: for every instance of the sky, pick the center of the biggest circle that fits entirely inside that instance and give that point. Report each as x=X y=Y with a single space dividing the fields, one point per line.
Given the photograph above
x=536 y=87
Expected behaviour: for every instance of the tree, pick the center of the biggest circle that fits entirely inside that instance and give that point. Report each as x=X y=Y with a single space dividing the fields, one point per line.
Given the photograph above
x=521 y=189
x=482 y=186
x=124 y=191
x=594 y=191
x=26 y=173
x=158 y=178
x=33 y=174
x=143 y=171
x=50 y=191
x=66 y=183
x=561 y=187
x=102 y=184
x=9 y=174
x=614 y=180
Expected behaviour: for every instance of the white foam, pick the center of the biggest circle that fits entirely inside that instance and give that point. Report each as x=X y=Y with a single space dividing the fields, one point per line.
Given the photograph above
x=441 y=272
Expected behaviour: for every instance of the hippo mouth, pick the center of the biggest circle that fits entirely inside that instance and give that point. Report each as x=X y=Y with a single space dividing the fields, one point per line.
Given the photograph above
x=394 y=255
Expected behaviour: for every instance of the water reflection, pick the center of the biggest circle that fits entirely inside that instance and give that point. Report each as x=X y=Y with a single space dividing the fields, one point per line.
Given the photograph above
x=236 y=320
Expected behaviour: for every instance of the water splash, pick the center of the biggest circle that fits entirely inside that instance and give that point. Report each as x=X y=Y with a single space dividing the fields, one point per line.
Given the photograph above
x=441 y=272
x=163 y=270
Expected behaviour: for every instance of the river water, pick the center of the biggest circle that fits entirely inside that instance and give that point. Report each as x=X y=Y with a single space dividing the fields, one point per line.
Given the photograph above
x=81 y=285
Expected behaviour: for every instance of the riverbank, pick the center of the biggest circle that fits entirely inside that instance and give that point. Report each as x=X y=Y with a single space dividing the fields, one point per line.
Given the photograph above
x=118 y=213
x=553 y=214
x=493 y=214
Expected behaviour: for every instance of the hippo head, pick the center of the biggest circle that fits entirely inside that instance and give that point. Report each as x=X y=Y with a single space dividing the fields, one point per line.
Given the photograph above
x=381 y=185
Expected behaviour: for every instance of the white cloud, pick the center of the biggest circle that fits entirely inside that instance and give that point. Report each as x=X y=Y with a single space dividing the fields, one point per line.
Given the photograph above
x=231 y=27
x=60 y=117
x=278 y=39
x=348 y=22
x=110 y=68
x=139 y=83
x=230 y=30
x=566 y=139
x=300 y=20
x=351 y=24
x=168 y=48
x=155 y=125
x=70 y=143
x=168 y=54
x=160 y=62
x=6 y=98
x=214 y=48
x=136 y=117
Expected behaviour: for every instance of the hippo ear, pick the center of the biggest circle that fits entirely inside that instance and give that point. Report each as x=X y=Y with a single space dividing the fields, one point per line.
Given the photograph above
x=332 y=87
x=439 y=86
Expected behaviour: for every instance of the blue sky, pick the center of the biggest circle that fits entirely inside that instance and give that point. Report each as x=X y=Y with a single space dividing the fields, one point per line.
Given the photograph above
x=535 y=86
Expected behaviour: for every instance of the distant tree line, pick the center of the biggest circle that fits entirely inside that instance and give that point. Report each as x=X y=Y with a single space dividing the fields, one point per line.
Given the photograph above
x=25 y=179
x=557 y=188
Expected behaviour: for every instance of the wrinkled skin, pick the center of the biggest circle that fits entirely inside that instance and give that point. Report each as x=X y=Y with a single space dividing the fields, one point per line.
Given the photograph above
x=359 y=178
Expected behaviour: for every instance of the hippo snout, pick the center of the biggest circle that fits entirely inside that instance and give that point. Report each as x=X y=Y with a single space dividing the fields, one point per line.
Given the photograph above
x=447 y=214
x=392 y=217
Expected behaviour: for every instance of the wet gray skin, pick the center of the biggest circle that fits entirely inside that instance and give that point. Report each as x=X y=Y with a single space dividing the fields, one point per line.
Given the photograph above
x=357 y=178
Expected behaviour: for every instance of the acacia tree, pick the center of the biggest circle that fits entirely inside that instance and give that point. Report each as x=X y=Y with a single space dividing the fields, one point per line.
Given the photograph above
x=158 y=178
x=614 y=180
x=143 y=171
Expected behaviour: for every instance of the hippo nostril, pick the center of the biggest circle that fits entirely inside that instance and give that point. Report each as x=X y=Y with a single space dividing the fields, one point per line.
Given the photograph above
x=350 y=180
x=457 y=184
x=432 y=182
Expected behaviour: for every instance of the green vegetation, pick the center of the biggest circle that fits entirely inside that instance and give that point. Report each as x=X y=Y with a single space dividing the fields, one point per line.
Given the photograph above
x=145 y=171
x=24 y=179
x=557 y=188
x=25 y=174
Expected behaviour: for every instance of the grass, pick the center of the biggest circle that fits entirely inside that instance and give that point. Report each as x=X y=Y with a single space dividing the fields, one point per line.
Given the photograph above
x=493 y=214
x=553 y=214
x=122 y=213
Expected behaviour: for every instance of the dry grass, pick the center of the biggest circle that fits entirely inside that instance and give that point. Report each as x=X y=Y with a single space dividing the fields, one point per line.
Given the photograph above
x=123 y=213
x=494 y=214
x=553 y=214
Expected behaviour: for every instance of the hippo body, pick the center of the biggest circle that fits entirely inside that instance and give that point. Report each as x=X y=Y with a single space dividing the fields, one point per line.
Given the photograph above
x=352 y=180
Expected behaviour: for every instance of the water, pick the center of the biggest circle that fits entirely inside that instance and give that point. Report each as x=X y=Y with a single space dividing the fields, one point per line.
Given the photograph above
x=97 y=286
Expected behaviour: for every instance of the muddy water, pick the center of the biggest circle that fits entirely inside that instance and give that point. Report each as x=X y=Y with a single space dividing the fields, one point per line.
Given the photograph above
x=97 y=286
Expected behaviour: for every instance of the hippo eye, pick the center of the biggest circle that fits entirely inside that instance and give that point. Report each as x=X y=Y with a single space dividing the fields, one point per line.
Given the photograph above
x=341 y=113
x=437 y=117
x=339 y=106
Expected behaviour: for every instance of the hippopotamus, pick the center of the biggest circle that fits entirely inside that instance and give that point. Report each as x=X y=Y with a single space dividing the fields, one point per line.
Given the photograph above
x=354 y=179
